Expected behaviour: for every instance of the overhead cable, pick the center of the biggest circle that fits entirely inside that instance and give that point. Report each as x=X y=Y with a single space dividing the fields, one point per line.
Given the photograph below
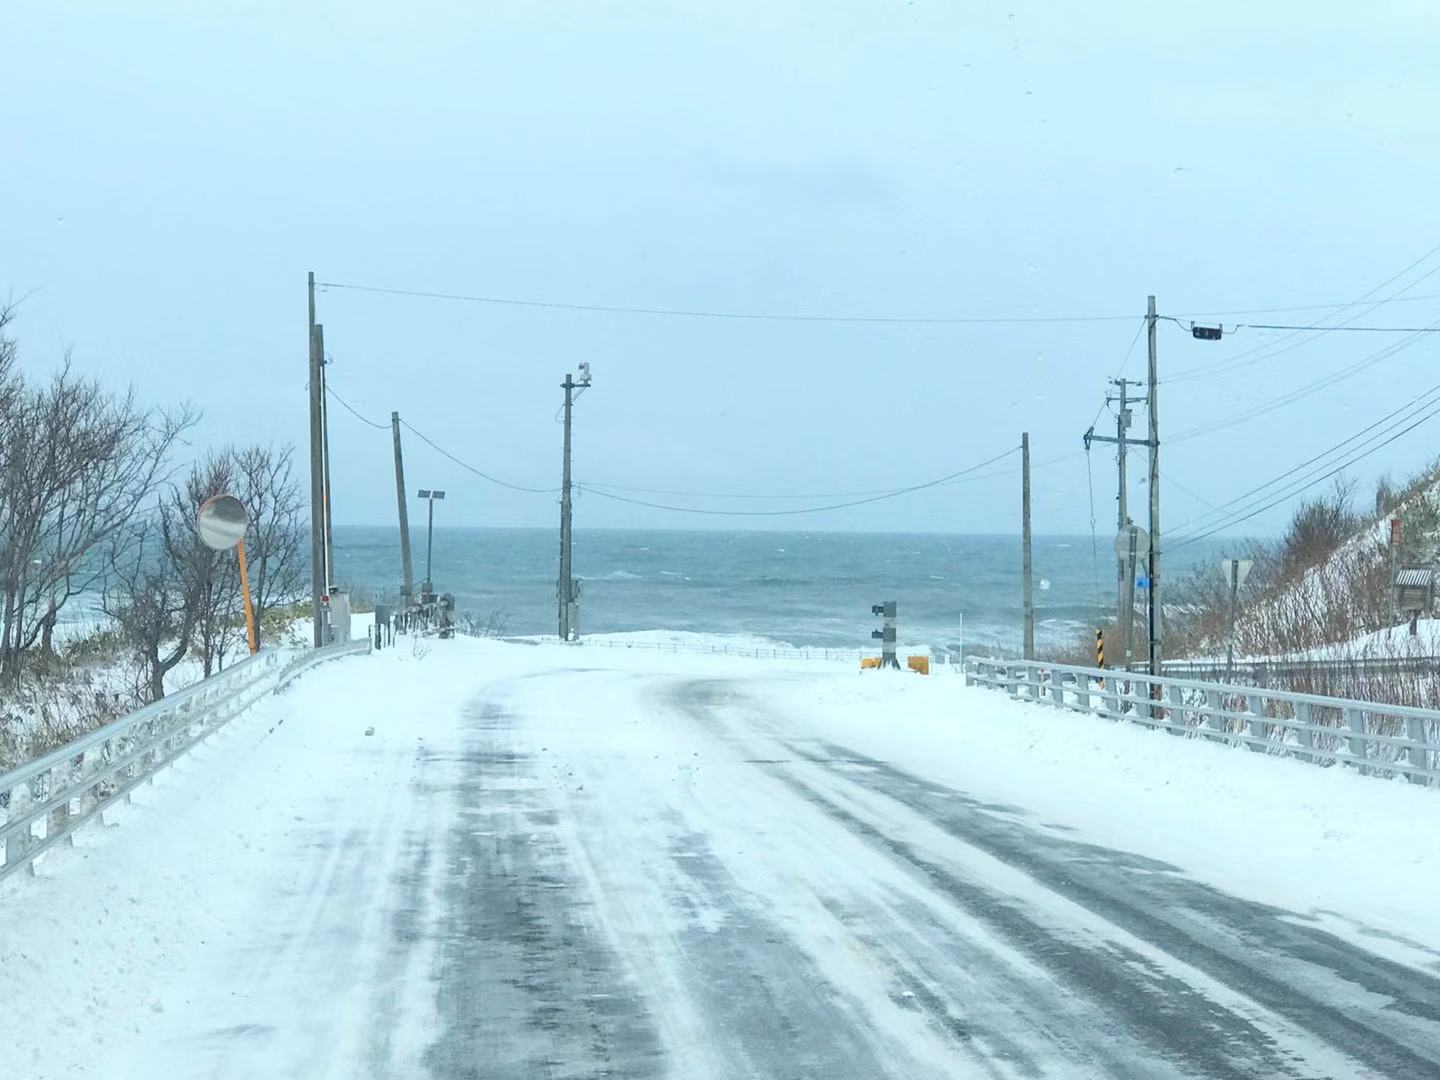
x=1231 y=510
x=353 y=411
x=804 y=509
x=1188 y=540
x=471 y=468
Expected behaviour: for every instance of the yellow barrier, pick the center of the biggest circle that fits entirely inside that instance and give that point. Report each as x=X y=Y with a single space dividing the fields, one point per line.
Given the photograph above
x=869 y=662
x=919 y=663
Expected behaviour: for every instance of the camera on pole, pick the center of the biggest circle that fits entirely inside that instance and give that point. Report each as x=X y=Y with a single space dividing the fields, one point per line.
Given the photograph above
x=886 y=634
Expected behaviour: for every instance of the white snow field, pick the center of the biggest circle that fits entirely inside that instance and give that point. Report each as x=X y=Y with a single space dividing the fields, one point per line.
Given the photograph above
x=561 y=861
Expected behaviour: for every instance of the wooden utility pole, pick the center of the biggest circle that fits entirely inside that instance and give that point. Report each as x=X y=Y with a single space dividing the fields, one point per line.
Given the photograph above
x=317 y=480
x=1156 y=609
x=565 y=587
x=1027 y=591
x=409 y=587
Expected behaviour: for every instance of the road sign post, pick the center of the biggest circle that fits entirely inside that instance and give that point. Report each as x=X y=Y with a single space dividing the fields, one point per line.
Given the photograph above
x=1131 y=544
x=1235 y=571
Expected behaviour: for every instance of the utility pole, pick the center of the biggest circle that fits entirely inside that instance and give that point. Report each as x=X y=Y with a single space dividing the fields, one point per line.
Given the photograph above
x=408 y=591
x=1026 y=589
x=1152 y=397
x=325 y=460
x=566 y=593
x=1125 y=569
x=317 y=482
x=564 y=588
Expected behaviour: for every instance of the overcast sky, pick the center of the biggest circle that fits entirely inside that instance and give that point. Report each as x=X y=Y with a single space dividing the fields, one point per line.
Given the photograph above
x=171 y=177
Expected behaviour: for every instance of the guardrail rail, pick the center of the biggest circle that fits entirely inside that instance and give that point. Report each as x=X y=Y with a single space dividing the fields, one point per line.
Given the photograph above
x=1377 y=739
x=44 y=801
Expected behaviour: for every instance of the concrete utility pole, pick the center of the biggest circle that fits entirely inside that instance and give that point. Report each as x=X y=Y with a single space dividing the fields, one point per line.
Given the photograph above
x=1125 y=568
x=567 y=595
x=565 y=587
x=317 y=481
x=1026 y=587
x=1152 y=396
x=325 y=461
x=325 y=450
x=409 y=588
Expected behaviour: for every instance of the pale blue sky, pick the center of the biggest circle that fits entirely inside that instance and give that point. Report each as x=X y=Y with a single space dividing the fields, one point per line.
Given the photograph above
x=171 y=177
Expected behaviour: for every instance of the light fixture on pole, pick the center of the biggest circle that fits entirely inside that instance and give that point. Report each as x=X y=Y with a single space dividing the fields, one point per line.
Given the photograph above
x=430 y=496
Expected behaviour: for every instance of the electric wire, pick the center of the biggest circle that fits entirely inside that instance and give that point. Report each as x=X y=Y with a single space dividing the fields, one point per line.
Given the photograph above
x=471 y=468
x=1301 y=392
x=754 y=316
x=805 y=509
x=1232 y=512
x=1419 y=402
x=781 y=316
x=1346 y=329
x=353 y=411
x=878 y=492
x=1188 y=540
x=1243 y=359
x=1339 y=305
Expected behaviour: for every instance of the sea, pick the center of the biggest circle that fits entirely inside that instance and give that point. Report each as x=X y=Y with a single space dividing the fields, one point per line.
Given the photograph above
x=800 y=589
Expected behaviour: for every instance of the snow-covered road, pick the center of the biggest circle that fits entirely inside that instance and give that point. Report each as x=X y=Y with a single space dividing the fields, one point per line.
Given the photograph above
x=569 y=863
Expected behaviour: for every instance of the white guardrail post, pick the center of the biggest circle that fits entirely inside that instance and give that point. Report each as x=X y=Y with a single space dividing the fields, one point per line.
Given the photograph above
x=44 y=801
x=1321 y=730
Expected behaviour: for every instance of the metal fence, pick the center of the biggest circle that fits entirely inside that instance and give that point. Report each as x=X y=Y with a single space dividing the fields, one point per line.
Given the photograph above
x=1378 y=739
x=1269 y=672
x=44 y=801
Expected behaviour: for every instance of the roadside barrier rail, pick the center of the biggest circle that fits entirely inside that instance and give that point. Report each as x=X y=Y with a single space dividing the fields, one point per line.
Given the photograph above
x=1266 y=672
x=44 y=801
x=1377 y=739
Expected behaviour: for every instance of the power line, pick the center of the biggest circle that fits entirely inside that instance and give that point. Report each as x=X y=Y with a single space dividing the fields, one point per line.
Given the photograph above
x=1302 y=392
x=701 y=313
x=471 y=468
x=1346 y=329
x=1337 y=306
x=695 y=313
x=805 y=509
x=1419 y=402
x=353 y=412
x=1170 y=479
x=1275 y=348
x=1412 y=407
x=1291 y=494
x=735 y=494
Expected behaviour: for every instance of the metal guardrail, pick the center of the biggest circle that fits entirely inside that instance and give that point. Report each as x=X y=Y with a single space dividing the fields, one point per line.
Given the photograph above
x=1263 y=672
x=1377 y=739
x=60 y=791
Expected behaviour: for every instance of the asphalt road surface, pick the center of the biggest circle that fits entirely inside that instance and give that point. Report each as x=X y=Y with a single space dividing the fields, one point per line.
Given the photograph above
x=609 y=874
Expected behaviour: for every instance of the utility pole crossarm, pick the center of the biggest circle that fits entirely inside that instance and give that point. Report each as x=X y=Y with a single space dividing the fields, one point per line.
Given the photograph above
x=1112 y=439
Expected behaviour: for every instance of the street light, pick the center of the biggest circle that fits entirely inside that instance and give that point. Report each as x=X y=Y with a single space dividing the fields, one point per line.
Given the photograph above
x=430 y=497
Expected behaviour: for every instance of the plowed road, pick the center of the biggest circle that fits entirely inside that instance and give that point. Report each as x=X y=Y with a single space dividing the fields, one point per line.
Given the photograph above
x=588 y=871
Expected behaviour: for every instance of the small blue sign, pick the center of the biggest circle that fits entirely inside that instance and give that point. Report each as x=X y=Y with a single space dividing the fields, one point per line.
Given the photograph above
x=1142 y=583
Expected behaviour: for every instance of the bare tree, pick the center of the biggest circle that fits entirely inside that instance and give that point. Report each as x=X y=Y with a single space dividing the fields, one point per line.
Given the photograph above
x=79 y=464
x=275 y=543
x=157 y=574
x=217 y=599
